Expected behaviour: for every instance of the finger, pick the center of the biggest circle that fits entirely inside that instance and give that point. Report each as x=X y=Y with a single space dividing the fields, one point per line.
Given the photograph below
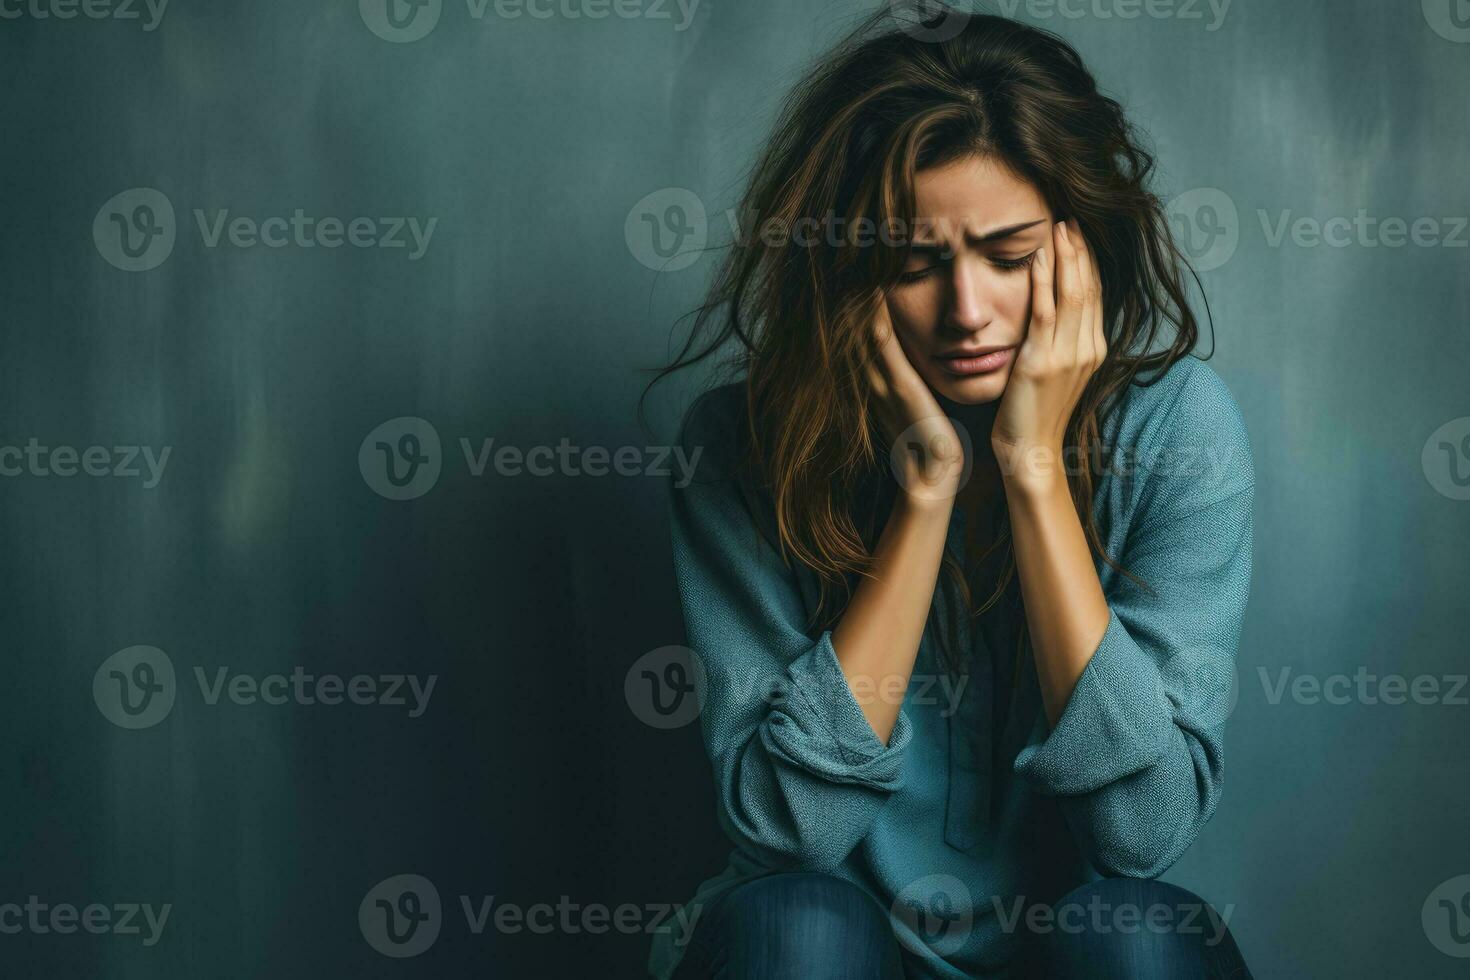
x=879 y=331
x=1068 y=283
x=900 y=379
x=899 y=372
x=1099 y=324
x=1087 y=272
x=888 y=349
x=880 y=325
x=1043 y=298
x=1099 y=339
x=878 y=322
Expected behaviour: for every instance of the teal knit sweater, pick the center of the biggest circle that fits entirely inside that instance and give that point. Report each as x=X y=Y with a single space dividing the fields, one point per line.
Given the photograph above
x=959 y=826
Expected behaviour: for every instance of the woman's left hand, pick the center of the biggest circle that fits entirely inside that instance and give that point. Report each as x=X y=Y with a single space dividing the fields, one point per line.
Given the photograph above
x=1063 y=348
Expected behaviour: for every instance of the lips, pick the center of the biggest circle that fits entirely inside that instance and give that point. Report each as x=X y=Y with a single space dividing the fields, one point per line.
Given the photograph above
x=983 y=361
x=976 y=352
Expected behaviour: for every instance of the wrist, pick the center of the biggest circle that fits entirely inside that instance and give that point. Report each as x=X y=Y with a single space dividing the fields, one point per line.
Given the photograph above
x=929 y=503
x=1031 y=469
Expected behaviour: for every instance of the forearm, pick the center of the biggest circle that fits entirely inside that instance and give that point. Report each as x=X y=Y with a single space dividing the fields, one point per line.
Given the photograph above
x=877 y=639
x=1065 y=608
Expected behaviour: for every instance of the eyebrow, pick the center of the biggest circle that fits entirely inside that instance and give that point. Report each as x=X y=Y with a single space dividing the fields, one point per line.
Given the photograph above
x=989 y=236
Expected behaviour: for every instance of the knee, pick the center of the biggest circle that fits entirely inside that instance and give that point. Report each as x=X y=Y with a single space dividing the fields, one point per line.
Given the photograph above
x=1130 y=927
x=809 y=925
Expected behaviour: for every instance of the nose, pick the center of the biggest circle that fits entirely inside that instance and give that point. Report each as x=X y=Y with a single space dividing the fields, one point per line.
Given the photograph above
x=971 y=303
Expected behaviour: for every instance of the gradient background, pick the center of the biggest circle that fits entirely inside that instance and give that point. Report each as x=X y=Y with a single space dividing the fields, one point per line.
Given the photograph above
x=536 y=143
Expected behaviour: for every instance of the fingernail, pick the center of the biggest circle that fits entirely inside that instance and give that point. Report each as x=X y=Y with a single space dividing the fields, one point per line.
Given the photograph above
x=1041 y=254
x=1065 y=237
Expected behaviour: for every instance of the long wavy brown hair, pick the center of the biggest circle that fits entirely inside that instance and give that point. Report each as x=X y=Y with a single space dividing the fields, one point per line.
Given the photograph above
x=914 y=87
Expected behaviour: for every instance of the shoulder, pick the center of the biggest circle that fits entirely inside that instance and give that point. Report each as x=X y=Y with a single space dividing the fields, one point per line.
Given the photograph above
x=714 y=426
x=1180 y=439
x=715 y=415
x=719 y=487
x=1188 y=397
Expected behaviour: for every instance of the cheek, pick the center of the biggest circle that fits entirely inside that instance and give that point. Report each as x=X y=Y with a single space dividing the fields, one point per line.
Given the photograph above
x=915 y=312
x=1017 y=296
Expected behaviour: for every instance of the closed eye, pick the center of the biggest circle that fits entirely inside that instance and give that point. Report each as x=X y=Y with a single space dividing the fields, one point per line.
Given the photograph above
x=918 y=275
x=1020 y=263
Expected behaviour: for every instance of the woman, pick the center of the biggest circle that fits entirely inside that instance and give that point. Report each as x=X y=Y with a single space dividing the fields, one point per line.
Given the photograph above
x=961 y=387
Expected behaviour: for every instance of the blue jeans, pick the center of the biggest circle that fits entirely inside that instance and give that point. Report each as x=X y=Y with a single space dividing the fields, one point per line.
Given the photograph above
x=810 y=926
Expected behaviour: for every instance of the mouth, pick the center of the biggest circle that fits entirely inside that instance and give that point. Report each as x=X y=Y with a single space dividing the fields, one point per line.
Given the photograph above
x=968 y=364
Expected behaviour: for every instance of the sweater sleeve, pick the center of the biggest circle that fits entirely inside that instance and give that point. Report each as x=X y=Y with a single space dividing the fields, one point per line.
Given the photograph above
x=1135 y=759
x=800 y=774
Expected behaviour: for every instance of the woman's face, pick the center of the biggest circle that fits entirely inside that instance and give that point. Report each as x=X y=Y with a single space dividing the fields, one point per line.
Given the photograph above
x=966 y=289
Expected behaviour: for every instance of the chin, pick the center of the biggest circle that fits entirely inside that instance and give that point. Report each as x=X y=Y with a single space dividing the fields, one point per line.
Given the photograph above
x=977 y=390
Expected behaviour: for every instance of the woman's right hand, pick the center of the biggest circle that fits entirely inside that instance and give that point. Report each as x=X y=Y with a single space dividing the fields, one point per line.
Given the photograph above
x=927 y=454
